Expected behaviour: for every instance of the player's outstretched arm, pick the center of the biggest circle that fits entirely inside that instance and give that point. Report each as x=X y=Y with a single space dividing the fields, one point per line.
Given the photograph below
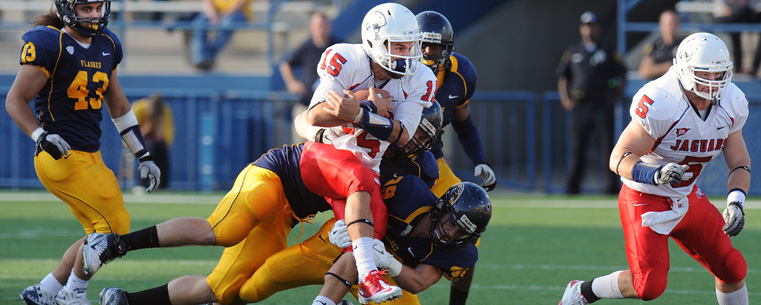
x=738 y=161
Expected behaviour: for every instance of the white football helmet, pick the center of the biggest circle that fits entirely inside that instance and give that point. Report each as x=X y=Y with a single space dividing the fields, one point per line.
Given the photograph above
x=703 y=52
x=392 y=22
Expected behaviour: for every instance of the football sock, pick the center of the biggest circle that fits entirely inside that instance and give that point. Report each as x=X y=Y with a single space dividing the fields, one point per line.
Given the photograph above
x=739 y=297
x=154 y=296
x=363 y=254
x=51 y=283
x=142 y=239
x=586 y=292
x=321 y=300
x=606 y=286
x=75 y=282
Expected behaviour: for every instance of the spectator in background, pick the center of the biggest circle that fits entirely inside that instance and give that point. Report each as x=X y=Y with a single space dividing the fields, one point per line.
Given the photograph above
x=591 y=77
x=306 y=57
x=218 y=13
x=658 y=55
x=157 y=126
x=741 y=11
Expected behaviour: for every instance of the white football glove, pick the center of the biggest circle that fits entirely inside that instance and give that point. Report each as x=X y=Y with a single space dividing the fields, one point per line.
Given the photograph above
x=149 y=170
x=339 y=234
x=484 y=171
x=734 y=218
x=53 y=144
x=385 y=260
x=670 y=173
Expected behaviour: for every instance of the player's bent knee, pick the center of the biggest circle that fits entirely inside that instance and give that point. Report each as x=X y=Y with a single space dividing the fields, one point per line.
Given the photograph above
x=735 y=270
x=651 y=285
x=651 y=290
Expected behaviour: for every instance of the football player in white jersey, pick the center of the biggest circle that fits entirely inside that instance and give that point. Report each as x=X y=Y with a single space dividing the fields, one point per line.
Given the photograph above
x=341 y=162
x=680 y=122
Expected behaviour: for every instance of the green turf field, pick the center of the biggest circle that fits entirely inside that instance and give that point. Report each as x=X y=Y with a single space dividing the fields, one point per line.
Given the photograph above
x=534 y=245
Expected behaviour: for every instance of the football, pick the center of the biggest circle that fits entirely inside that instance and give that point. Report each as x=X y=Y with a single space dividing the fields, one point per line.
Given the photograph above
x=363 y=94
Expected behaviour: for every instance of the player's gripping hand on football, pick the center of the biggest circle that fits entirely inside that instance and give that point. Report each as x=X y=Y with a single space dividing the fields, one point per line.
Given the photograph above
x=484 y=171
x=53 y=144
x=734 y=216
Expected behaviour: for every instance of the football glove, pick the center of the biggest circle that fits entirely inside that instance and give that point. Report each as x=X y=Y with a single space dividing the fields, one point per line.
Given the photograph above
x=149 y=170
x=484 y=171
x=385 y=260
x=734 y=216
x=670 y=173
x=53 y=144
x=339 y=234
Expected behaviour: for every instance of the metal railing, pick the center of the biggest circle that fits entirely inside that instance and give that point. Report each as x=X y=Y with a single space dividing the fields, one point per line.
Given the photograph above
x=526 y=139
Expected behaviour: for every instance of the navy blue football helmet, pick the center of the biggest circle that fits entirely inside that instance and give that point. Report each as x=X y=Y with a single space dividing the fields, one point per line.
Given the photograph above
x=438 y=31
x=88 y=26
x=467 y=205
x=427 y=133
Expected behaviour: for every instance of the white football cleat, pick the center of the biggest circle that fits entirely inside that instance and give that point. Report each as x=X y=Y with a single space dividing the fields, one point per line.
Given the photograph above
x=68 y=296
x=374 y=288
x=37 y=295
x=100 y=249
x=572 y=294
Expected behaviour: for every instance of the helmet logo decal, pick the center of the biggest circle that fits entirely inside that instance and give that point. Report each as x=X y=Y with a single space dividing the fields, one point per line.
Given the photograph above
x=377 y=22
x=427 y=125
x=432 y=37
x=456 y=192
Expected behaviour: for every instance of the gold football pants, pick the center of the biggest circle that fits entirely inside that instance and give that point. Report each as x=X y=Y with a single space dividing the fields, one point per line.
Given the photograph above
x=446 y=178
x=253 y=222
x=83 y=181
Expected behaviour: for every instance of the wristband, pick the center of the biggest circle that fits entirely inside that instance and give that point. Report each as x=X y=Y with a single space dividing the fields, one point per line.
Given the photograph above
x=36 y=133
x=736 y=195
x=358 y=118
x=378 y=126
x=644 y=173
x=130 y=132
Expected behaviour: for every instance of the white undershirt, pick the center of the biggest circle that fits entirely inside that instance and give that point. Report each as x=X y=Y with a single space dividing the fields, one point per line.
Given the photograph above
x=84 y=45
x=703 y=113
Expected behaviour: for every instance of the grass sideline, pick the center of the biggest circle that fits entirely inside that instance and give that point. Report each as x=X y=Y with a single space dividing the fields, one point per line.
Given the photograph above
x=534 y=245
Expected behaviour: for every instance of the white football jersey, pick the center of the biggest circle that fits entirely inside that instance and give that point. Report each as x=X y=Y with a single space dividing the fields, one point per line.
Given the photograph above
x=681 y=135
x=346 y=66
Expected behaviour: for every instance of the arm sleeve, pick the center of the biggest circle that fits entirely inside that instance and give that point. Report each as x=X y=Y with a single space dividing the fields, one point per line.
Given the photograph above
x=470 y=139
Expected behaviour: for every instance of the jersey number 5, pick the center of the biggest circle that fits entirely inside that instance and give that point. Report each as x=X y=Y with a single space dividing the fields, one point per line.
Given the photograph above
x=642 y=109
x=78 y=90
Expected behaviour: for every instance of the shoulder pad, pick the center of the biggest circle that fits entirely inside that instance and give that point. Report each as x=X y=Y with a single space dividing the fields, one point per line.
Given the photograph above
x=43 y=38
x=735 y=100
x=108 y=33
x=429 y=168
x=464 y=67
x=423 y=75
